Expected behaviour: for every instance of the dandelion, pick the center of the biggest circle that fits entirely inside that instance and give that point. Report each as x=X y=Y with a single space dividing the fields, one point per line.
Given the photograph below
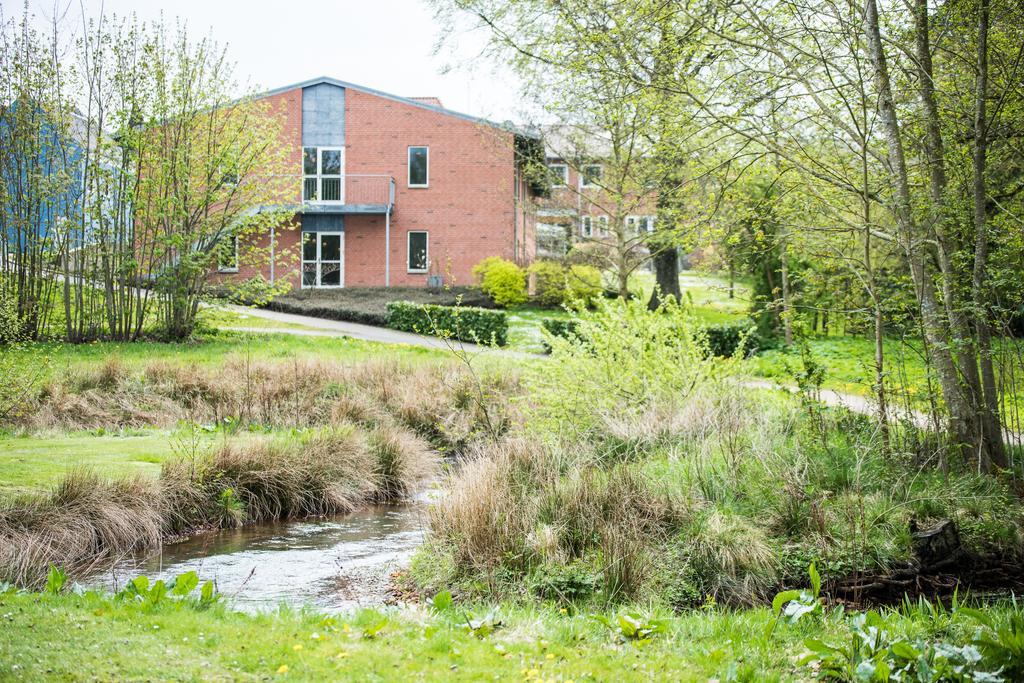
x=297 y=647
x=549 y=656
x=346 y=628
x=283 y=669
x=343 y=654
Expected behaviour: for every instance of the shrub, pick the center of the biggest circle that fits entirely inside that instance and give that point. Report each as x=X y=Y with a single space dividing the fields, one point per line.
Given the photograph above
x=502 y=280
x=257 y=292
x=724 y=340
x=477 y=325
x=551 y=283
x=584 y=284
x=558 y=327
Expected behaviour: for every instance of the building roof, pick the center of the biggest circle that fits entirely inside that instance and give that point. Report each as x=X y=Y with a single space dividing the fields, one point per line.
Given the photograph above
x=422 y=102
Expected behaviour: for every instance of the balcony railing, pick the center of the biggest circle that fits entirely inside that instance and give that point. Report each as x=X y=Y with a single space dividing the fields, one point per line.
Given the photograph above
x=350 y=190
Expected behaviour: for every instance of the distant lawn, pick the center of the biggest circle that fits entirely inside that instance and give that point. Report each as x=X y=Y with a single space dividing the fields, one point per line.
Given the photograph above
x=223 y=318
x=215 y=348
x=32 y=463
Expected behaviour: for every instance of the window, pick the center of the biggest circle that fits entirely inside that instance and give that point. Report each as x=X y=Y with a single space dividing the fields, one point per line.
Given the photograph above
x=590 y=175
x=419 y=166
x=417 y=258
x=559 y=174
x=640 y=224
x=602 y=225
x=586 y=226
x=227 y=254
x=321 y=173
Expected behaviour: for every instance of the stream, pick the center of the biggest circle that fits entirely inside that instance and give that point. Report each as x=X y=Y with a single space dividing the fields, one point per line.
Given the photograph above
x=333 y=563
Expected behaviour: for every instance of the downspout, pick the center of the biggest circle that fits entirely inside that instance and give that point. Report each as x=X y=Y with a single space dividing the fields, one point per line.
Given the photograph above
x=387 y=233
x=272 y=240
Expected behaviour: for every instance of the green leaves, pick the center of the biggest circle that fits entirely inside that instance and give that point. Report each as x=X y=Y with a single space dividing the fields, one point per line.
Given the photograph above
x=632 y=627
x=442 y=602
x=180 y=591
x=55 y=580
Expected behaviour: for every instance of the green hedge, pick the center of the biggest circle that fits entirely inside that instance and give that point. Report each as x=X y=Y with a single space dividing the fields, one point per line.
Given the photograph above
x=558 y=327
x=725 y=338
x=478 y=325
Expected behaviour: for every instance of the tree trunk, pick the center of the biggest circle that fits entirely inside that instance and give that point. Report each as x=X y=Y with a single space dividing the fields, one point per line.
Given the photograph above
x=666 y=276
x=960 y=425
x=991 y=425
x=787 y=302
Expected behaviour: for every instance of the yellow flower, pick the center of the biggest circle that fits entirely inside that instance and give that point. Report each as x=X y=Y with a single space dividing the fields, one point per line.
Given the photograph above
x=346 y=628
x=297 y=647
x=549 y=656
x=283 y=669
x=563 y=611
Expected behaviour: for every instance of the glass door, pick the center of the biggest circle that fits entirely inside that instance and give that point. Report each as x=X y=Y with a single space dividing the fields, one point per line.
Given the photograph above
x=323 y=259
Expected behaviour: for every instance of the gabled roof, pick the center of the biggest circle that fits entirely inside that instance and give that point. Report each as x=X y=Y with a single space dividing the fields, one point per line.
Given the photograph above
x=415 y=102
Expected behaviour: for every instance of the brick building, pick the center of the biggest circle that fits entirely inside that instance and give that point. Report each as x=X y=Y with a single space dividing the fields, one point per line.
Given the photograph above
x=393 y=191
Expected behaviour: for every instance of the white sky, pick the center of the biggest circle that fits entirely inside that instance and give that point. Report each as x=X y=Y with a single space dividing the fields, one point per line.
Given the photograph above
x=382 y=44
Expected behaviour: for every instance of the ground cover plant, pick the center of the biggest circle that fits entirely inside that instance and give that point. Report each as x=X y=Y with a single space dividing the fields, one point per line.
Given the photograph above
x=185 y=630
x=369 y=305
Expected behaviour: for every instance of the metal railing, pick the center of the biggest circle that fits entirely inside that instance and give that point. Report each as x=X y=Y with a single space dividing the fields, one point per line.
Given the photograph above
x=350 y=188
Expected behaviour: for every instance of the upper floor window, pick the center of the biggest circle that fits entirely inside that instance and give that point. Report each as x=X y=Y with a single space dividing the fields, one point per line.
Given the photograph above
x=419 y=166
x=602 y=225
x=321 y=172
x=590 y=175
x=559 y=174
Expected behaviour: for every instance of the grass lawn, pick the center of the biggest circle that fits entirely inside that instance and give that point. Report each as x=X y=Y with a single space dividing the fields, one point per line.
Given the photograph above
x=223 y=318
x=213 y=349
x=31 y=463
x=170 y=641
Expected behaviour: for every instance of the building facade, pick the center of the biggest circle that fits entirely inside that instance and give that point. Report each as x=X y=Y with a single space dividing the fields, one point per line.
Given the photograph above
x=390 y=191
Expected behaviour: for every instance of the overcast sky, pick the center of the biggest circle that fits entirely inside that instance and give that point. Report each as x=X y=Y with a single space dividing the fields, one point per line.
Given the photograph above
x=382 y=44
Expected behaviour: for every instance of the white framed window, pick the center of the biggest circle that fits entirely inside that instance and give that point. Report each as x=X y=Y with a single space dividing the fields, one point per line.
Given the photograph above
x=559 y=174
x=602 y=225
x=227 y=253
x=640 y=224
x=417 y=256
x=321 y=174
x=586 y=226
x=419 y=166
x=590 y=175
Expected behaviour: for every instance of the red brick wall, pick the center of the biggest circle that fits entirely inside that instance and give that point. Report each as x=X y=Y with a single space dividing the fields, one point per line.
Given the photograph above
x=469 y=209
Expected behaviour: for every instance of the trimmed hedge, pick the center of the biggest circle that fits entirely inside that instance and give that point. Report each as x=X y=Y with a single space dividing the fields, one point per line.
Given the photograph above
x=478 y=325
x=558 y=327
x=725 y=338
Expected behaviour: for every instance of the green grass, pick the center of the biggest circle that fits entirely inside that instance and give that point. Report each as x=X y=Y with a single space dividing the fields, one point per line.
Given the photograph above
x=31 y=463
x=213 y=349
x=127 y=640
x=224 y=318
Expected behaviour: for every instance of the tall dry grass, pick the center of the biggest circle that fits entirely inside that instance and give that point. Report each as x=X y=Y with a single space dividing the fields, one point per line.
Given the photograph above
x=361 y=434
x=441 y=402
x=85 y=521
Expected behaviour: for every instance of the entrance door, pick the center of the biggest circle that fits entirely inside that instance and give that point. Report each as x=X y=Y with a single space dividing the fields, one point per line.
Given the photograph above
x=323 y=259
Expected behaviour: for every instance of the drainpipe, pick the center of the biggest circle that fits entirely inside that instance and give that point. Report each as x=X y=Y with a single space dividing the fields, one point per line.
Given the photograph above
x=387 y=233
x=272 y=254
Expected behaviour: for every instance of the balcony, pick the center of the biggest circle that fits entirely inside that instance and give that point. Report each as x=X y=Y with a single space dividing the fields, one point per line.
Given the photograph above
x=352 y=193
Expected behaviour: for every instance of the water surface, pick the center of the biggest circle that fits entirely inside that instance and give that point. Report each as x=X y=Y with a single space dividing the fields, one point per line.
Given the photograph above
x=336 y=563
